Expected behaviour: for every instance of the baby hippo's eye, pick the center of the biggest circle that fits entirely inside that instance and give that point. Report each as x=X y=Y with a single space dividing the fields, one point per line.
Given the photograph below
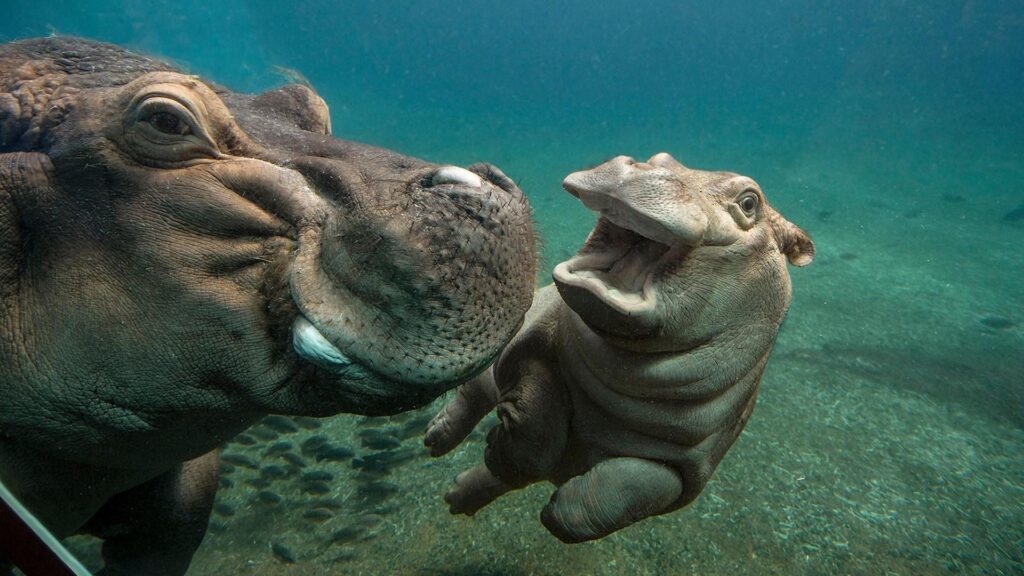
x=169 y=124
x=748 y=203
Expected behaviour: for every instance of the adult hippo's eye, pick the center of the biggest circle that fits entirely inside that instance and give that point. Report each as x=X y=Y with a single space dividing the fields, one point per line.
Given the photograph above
x=164 y=127
x=748 y=202
x=169 y=124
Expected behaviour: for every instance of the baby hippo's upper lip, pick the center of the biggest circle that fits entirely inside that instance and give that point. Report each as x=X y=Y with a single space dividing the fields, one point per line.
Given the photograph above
x=639 y=229
x=648 y=216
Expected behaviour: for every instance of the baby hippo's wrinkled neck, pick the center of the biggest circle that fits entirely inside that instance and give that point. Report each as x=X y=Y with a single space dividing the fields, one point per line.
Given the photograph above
x=694 y=375
x=680 y=397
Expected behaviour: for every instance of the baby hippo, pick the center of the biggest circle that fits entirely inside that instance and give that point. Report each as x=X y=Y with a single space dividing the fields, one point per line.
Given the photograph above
x=626 y=385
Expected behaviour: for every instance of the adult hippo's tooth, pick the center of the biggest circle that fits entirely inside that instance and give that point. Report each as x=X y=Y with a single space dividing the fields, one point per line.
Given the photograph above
x=456 y=175
x=311 y=345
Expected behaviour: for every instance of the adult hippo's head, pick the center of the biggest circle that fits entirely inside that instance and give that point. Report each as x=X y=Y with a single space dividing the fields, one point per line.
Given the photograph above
x=172 y=250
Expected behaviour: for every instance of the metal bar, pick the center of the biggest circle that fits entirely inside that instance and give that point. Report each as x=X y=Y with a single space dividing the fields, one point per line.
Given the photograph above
x=29 y=545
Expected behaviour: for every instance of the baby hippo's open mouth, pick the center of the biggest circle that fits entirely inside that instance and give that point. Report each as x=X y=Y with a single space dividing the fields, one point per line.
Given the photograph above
x=617 y=266
x=647 y=225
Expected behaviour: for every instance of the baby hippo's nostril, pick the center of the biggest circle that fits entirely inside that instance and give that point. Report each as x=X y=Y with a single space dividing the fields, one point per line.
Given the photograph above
x=632 y=163
x=456 y=175
x=665 y=160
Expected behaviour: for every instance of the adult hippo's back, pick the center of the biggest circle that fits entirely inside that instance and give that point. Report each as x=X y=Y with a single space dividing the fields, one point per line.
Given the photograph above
x=177 y=260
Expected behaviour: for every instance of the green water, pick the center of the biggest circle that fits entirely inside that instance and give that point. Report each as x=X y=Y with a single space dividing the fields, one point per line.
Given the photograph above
x=888 y=433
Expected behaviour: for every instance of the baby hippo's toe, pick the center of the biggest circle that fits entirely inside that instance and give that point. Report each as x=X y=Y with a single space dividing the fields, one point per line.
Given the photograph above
x=474 y=489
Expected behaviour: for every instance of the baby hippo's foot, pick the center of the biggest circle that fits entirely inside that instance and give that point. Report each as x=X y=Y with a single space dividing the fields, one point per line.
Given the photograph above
x=609 y=497
x=471 y=402
x=447 y=429
x=474 y=489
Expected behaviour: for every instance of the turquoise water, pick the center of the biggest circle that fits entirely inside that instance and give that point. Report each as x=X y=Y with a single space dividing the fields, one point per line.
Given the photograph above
x=888 y=435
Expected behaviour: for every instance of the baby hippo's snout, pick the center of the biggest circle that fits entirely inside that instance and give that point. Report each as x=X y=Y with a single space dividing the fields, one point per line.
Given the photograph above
x=645 y=197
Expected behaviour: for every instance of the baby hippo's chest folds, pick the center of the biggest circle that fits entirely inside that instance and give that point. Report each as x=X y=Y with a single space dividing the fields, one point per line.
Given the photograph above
x=607 y=424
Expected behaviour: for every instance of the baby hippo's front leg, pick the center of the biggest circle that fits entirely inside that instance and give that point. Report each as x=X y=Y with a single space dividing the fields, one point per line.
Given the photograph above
x=525 y=446
x=472 y=401
x=609 y=497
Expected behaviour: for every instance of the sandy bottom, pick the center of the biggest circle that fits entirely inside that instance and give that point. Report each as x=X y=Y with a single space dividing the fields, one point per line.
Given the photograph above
x=887 y=438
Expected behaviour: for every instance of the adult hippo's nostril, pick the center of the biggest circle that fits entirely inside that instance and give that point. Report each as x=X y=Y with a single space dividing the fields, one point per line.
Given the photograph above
x=492 y=174
x=455 y=175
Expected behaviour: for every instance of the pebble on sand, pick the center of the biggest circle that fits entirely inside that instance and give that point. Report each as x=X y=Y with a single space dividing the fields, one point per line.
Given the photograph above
x=997 y=322
x=282 y=424
x=282 y=553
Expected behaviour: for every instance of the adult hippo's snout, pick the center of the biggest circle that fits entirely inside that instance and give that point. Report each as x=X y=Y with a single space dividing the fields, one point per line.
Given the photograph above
x=406 y=277
x=417 y=280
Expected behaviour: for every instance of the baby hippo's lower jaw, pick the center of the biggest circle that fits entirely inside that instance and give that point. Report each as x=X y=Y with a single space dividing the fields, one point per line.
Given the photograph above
x=634 y=317
x=612 y=284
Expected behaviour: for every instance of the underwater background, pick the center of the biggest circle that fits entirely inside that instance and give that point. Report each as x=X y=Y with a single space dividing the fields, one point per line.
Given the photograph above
x=889 y=433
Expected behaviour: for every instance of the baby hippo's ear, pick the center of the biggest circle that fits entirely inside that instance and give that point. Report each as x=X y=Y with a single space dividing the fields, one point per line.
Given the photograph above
x=793 y=242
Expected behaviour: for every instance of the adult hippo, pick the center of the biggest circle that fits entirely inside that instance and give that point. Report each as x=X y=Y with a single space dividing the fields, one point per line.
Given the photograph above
x=177 y=260
x=634 y=374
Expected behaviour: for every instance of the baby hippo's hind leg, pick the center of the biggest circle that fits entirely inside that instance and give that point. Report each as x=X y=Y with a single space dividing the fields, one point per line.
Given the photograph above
x=472 y=401
x=609 y=497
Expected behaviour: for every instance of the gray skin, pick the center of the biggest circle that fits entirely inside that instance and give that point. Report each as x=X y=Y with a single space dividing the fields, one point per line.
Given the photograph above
x=178 y=260
x=634 y=374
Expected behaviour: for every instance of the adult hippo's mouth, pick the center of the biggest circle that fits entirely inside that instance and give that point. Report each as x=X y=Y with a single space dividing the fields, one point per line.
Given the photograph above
x=403 y=299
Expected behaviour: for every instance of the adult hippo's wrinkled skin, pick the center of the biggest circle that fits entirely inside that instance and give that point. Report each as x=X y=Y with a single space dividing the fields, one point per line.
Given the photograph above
x=627 y=385
x=177 y=260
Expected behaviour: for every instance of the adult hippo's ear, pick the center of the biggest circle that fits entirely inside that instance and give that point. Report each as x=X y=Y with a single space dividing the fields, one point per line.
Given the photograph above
x=299 y=105
x=793 y=241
